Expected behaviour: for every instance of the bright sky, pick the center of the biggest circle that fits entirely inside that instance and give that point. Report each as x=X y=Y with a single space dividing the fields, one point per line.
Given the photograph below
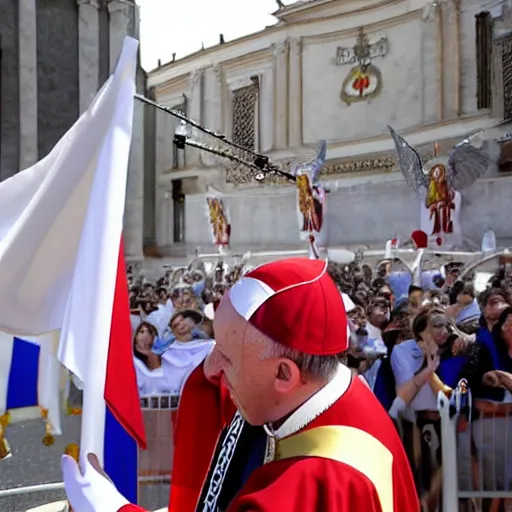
x=181 y=26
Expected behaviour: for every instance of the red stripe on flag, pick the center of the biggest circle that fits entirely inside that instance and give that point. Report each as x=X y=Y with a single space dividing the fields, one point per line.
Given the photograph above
x=121 y=391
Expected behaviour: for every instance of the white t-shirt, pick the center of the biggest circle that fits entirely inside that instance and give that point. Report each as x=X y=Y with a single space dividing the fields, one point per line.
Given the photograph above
x=181 y=359
x=151 y=382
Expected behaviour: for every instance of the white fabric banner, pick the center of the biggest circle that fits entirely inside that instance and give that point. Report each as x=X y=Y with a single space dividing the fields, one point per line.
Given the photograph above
x=60 y=230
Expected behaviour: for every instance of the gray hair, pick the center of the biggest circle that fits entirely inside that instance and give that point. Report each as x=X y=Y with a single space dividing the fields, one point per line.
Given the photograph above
x=311 y=367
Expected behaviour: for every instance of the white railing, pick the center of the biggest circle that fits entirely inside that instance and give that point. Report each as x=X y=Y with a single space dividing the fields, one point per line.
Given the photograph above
x=487 y=452
x=31 y=489
x=59 y=486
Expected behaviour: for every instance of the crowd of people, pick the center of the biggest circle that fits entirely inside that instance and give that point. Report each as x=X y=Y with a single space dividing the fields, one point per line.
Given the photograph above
x=410 y=340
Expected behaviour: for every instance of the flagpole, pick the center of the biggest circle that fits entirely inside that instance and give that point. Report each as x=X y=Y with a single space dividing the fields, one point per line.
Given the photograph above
x=93 y=417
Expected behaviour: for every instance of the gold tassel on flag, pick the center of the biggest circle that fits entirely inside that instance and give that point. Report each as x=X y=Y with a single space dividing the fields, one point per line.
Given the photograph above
x=5 y=419
x=73 y=450
x=48 y=439
x=5 y=449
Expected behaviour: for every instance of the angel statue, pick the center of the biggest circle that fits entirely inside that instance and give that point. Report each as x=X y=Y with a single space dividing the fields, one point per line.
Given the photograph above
x=440 y=181
x=310 y=195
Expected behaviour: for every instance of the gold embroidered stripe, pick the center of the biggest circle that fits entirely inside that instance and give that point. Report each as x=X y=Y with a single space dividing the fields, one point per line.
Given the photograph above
x=349 y=446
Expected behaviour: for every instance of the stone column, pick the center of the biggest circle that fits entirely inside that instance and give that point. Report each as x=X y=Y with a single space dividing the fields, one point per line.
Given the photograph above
x=164 y=216
x=88 y=51
x=280 y=73
x=27 y=37
x=164 y=127
x=122 y=15
x=216 y=98
x=212 y=111
x=134 y=209
x=122 y=24
x=295 y=94
x=195 y=92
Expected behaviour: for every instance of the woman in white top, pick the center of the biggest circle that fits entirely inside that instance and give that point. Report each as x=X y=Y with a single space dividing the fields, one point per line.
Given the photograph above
x=148 y=366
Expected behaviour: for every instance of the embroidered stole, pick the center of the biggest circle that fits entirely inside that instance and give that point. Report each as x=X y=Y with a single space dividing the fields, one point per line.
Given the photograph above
x=208 y=502
x=347 y=445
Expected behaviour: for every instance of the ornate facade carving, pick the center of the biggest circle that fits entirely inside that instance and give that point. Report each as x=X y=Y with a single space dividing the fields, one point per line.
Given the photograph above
x=217 y=71
x=98 y=4
x=296 y=46
x=239 y=175
x=280 y=48
x=119 y=6
x=194 y=78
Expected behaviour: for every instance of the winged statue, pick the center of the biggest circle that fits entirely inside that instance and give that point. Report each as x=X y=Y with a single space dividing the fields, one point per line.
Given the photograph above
x=442 y=179
x=310 y=194
x=467 y=162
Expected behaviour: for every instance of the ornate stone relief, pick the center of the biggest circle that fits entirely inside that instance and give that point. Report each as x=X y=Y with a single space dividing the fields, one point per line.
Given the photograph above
x=217 y=71
x=239 y=175
x=194 y=78
x=118 y=6
x=280 y=48
x=98 y=4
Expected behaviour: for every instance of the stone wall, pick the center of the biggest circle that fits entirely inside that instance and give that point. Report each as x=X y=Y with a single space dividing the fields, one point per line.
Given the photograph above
x=57 y=70
x=427 y=93
x=9 y=89
x=365 y=213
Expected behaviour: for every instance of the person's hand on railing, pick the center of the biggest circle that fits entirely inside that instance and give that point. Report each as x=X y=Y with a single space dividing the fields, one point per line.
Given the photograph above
x=502 y=379
x=92 y=491
x=491 y=379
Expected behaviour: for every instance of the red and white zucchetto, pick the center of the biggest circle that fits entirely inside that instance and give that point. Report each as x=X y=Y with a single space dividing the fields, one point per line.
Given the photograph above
x=295 y=303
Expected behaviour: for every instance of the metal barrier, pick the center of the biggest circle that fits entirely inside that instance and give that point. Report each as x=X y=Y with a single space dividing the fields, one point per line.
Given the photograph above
x=486 y=448
x=476 y=463
x=59 y=486
x=31 y=489
x=155 y=463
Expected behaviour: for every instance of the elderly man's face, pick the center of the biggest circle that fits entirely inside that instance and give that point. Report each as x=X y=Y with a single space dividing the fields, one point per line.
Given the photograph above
x=239 y=361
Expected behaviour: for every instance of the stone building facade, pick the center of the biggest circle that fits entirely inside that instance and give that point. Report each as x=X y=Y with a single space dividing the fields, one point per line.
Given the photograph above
x=438 y=72
x=54 y=56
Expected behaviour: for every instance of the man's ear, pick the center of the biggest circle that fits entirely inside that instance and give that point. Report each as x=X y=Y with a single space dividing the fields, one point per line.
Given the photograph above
x=288 y=376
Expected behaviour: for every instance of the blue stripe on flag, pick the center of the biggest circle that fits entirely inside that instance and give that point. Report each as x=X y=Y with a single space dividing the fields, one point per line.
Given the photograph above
x=121 y=458
x=22 y=386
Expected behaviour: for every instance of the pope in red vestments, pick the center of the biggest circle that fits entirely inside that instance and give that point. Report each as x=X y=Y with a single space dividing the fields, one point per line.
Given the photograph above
x=307 y=436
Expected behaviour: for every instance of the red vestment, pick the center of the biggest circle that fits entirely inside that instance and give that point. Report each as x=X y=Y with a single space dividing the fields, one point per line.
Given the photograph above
x=317 y=484
x=205 y=409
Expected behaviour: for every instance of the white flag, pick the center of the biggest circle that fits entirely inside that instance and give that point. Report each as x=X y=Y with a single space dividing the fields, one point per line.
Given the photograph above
x=60 y=233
